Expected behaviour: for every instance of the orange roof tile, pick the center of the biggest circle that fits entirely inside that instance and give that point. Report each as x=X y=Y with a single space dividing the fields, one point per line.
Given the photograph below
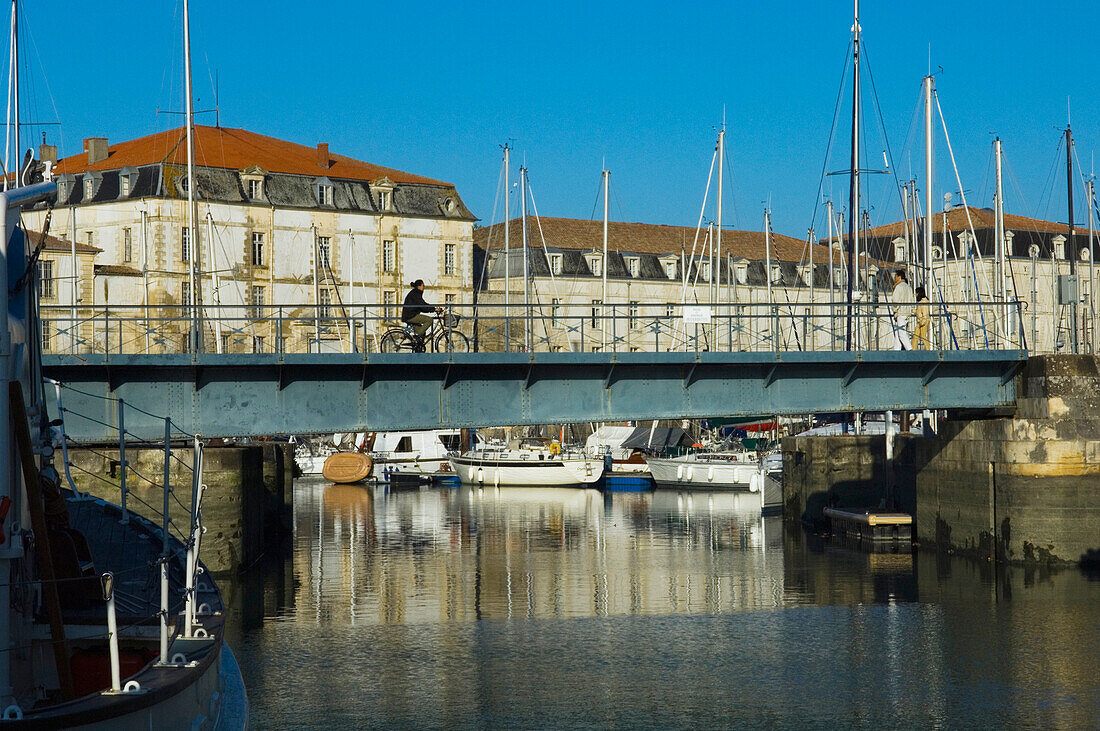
x=641 y=238
x=957 y=221
x=235 y=149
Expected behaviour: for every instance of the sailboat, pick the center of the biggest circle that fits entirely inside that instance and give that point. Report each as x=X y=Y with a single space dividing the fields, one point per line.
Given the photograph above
x=104 y=619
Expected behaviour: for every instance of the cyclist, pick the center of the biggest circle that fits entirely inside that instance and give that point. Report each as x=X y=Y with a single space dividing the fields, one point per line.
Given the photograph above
x=414 y=312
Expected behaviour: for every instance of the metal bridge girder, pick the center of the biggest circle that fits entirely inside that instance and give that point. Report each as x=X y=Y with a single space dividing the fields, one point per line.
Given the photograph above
x=272 y=394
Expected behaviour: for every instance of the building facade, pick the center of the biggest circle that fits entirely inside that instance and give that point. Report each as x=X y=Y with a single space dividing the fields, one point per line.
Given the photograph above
x=294 y=248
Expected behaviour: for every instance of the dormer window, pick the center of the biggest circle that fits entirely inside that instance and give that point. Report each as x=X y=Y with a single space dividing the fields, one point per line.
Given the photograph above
x=255 y=189
x=324 y=194
x=595 y=263
x=704 y=271
x=385 y=200
x=632 y=265
x=901 y=248
x=741 y=271
x=805 y=273
x=1059 y=243
x=777 y=273
x=89 y=188
x=124 y=185
x=184 y=185
x=670 y=268
x=555 y=263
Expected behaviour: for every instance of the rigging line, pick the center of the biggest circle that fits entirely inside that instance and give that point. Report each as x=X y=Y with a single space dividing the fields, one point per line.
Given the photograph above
x=882 y=124
x=962 y=194
x=699 y=225
x=546 y=255
x=832 y=132
x=595 y=203
x=733 y=188
x=1048 y=186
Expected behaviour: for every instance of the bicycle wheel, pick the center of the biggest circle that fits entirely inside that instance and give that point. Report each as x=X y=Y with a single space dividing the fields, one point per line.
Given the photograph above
x=394 y=341
x=452 y=341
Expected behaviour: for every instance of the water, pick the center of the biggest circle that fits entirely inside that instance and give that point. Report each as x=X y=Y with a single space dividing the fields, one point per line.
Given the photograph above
x=541 y=608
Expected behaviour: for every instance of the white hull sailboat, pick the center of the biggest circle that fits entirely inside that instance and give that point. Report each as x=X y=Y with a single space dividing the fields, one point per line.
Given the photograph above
x=706 y=470
x=535 y=467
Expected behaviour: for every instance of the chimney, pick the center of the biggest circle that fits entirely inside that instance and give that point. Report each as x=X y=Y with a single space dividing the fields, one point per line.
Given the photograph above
x=96 y=147
x=47 y=153
x=322 y=155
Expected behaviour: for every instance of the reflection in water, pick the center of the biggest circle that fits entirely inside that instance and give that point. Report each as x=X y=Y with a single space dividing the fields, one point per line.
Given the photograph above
x=520 y=607
x=446 y=555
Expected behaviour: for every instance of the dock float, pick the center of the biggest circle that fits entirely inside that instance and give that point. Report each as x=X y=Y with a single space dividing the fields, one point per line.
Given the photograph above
x=871 y=525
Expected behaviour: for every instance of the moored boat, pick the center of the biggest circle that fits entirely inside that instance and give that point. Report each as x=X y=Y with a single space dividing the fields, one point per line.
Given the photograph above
x=527 y=462
x=732 y=470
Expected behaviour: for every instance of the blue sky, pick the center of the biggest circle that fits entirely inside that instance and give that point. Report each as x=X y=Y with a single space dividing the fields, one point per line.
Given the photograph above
x=435 y=88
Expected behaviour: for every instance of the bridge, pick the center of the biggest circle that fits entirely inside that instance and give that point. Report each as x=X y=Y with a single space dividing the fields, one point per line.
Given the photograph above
x=222 y=395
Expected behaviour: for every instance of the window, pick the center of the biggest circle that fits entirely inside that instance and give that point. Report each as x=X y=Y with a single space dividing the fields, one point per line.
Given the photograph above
x=185 y=294
x=704 y=271
x=632 y=314
x=632 y=266
x=670 y=269
x=226 y=342
x=449 y=300
x=257 y=343
x=258 y=301
x=324 y=194
x=184 y=184
x=185 y=244
x=449 y=259
x=127 y=245
x=324 y=302
x=257 y=249
x=45 y=277
x=777 y=274
x=124 y=184
x=385 y=200
x=324 y=248
x=594 y=264
x=389 y=299
x=89 y=188
x=670 y=310
x=389 y=256
x=255 y=189
x=741 y=271
x=597 y=308
x=555 y=263
x=47 y=334
x=555 y=311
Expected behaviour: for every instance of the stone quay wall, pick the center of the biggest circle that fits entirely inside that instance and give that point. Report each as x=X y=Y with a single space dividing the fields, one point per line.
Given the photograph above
x=1021 y=489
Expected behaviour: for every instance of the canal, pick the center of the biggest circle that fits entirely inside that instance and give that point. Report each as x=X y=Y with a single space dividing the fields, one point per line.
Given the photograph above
x=540 y=608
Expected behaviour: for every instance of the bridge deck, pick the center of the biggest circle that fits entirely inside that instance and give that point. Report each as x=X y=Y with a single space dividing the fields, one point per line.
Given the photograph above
x=268 y=394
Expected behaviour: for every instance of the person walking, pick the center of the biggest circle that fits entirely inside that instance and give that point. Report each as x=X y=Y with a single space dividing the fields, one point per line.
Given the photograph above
x=415 y=311
x=924 y=316
x=902 y=300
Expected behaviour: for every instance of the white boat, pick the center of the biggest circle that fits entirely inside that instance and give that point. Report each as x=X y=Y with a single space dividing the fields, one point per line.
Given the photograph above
x=706 y=470
x=527 y=462
x=627 y=445
x=423 y=451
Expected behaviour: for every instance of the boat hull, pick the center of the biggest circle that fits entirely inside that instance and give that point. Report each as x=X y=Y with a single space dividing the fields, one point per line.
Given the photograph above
x=545 y=472
x=702 y=475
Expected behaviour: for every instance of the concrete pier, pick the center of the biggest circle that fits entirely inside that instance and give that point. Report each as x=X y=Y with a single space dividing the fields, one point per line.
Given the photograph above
x=1020 y=489
x=246 y=507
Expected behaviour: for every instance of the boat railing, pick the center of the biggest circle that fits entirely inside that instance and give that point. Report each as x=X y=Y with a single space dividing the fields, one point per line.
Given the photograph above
x=178 y=522
x=871 y=324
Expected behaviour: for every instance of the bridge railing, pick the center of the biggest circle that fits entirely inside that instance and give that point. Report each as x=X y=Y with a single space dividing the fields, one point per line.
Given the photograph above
x=544 y=327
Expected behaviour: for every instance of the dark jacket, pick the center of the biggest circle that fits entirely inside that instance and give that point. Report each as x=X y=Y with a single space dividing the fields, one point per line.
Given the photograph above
x=414 y=305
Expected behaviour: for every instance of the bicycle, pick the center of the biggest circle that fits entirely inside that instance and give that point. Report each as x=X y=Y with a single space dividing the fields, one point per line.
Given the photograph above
x=447 y=340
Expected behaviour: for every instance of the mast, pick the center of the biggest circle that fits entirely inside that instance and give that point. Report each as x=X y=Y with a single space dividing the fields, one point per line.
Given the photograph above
x=999 y=226
x=507 y=256
x=603 y=268
x=526 y=279
x=13 y=97
x=192 y=228
x=717 y=266
x=1071 y=253
x=768 y=255
x=853 y=191
x=1090 y=197
x=928 y=208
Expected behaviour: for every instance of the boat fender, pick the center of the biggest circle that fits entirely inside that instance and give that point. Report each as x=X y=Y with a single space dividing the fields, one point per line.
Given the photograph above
x=754 y=483
x=480 y=476
x=710 y=474
x=680 y=472
x=690 y=473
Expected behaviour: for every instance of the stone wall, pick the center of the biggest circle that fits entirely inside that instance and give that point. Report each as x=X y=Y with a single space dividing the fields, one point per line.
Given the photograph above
x=1020 y=489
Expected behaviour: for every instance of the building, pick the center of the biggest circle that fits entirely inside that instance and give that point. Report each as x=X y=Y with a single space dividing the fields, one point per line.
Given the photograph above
x=293 y=244
x=667 y=287
x=1036 y=274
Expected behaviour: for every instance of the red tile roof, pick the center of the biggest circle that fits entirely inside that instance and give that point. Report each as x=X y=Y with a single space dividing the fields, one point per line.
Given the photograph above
x=642 y=238
x=957 y=221
x=235 y=149
x=55 y=244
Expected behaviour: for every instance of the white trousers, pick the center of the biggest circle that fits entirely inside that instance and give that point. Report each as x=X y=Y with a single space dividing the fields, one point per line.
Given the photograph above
x=901 y=334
